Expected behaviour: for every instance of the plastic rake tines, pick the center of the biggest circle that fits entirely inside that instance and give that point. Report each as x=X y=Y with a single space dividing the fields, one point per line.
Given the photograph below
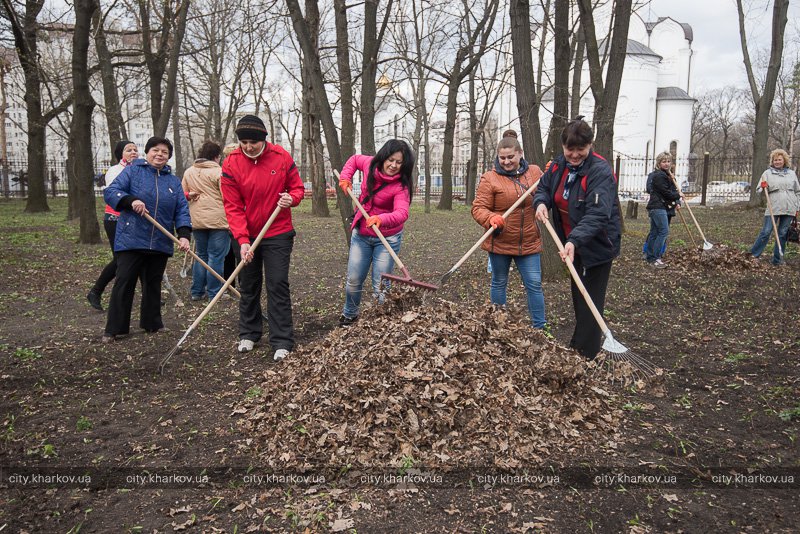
x=616 y=352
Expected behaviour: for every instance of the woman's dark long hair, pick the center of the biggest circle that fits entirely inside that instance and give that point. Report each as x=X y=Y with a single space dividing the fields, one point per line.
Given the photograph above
x=406 y=169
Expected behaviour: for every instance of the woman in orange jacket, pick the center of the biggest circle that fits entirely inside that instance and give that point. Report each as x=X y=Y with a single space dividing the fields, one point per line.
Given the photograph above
x=516 y=238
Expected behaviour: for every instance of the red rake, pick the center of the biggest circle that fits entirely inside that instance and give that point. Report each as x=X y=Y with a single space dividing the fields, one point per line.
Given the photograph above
x=406 y=278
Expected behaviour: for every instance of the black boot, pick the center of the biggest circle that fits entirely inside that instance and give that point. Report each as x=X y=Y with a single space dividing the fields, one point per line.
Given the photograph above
x=94 y=299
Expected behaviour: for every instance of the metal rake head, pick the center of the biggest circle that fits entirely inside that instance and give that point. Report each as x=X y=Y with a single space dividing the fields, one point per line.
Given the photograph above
x=616 y=352
x=707 y=245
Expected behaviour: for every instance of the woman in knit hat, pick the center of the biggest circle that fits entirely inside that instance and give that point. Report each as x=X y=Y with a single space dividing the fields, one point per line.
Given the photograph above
x=257 y=178
x=125 y=152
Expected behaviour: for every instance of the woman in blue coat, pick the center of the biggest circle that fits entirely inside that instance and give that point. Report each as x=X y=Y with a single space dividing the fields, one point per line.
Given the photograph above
x=145 y=186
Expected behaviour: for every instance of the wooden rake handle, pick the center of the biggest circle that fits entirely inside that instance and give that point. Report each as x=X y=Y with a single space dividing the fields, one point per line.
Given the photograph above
x=578 y=282
x=364 y=214
x=774 y=226
x=233 y=275
x=688 y=207
x=683 y=220
x=191 y=252
x=488 y=232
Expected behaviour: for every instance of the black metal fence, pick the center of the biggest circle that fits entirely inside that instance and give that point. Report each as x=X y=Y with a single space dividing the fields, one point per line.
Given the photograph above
x=715 y=179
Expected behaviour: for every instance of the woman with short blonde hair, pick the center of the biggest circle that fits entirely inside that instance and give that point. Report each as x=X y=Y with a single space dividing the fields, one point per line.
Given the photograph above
x=781 y=184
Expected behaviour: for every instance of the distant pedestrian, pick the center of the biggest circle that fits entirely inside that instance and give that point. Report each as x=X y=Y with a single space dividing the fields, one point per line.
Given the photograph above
x=257 y=177
x=209 y=225
x=580 y=188
x=124 y=152
x=664 y=200
x=386 y=192
x=781 y=184
x=146 y=186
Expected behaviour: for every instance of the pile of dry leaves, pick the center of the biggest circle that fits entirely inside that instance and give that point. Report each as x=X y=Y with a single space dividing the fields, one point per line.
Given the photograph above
x=720 y=258
x=439 y=383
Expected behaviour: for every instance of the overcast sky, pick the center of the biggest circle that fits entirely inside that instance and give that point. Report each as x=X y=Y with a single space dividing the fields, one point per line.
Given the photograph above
x=717 y=59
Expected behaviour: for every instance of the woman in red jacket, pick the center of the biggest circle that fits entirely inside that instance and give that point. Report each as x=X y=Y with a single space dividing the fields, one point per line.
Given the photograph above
x=386 y=192
x=257 y=177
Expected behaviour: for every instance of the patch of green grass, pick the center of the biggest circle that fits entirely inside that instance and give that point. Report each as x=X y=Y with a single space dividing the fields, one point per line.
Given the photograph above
x=736 y=357
x=26 y=354
x=253 y=392
x=790 y=413
x=83 y=424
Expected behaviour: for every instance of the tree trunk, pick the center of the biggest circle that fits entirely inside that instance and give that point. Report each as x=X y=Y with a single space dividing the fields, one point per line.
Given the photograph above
x=474 y=139
x=314 y=145
x=321 y=97
x=577 y=71
x=180 y=162
x=172 y=73
x=446 y=200
x=763 y=102
x=525 y=86
x=562 y=53
x=80 y=139
x=606 y=93
x=346 y=79
x=113 y=110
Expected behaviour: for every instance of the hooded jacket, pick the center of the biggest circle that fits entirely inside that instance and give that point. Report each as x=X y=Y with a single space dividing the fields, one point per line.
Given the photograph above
x=390 y=204
x=593 y=208
x=163 y=197
x=497 y=191
x=250 y=191
x=207 y=211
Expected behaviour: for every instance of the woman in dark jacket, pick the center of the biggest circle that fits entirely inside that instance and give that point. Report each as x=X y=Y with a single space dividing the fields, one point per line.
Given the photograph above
x=664 y=199
x=580 y=188
x=145 y=186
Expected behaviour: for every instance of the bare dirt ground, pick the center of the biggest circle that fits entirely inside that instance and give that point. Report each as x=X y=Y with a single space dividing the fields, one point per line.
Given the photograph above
x=184 y=451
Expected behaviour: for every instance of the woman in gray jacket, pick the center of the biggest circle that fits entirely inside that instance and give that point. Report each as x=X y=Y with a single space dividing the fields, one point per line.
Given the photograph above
x=783 y=189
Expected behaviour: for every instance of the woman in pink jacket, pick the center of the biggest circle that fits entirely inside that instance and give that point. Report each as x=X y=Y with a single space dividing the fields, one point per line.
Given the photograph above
x=386 y=193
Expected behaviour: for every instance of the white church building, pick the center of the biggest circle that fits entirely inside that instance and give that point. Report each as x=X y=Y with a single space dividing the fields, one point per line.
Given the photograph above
x=654 y=110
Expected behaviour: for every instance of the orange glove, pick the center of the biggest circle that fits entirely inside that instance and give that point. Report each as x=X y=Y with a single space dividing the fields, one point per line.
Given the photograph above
x=763 y=184
x=374 y=221
x=497 y=221
x=346 y=185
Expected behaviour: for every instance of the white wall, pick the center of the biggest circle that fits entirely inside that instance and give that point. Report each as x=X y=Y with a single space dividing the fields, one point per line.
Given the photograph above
x=634 y=125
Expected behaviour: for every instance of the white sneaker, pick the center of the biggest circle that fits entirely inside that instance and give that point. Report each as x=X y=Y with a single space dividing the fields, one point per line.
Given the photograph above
x=280 y=354
x=246 y=345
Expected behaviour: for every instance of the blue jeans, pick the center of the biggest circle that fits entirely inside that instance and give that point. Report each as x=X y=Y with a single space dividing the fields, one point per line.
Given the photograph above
x=212 y=247
x=659 y=230
x=366 y=251
x=783 y=222
x=530 y=270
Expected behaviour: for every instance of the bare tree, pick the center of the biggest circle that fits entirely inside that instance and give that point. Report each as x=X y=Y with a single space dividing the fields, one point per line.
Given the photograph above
x=80 y=140
x=113 y=109
x=25 y=28
x=763 y=98
x=470 y=48
x=606 y=92
x=163 y=59
x=524 y=82
x=373 y=37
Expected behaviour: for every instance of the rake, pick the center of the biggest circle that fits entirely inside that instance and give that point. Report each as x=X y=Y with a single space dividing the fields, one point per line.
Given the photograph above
x=706 y=244
x=487 y=233
x=406 y=278
x=191 y=252
x=774 y=226
x=617 y=352
x=221 y=292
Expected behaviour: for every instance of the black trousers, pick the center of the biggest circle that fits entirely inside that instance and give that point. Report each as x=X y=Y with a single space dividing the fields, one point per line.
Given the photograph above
x=273 y=254
x=587 y=337
x=109 y=271
x=133 y=265
x=231 y=259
